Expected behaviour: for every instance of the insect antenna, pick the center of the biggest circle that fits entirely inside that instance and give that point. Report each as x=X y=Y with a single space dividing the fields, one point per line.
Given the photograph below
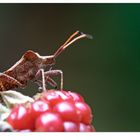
x=71 y=40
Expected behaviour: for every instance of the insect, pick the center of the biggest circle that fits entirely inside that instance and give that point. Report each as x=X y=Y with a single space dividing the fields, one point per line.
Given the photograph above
x=32 y=67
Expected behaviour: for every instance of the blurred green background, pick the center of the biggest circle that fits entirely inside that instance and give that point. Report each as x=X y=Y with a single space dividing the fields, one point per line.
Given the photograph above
x=105 y=70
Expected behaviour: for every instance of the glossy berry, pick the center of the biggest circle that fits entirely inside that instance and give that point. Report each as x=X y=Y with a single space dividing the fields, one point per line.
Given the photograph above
x=20 y=118
x=85 y=128
x=65 y=96
x=76 y=97
x=67 y=111
x=71 y=127
x=51 y=97
x=84 y=112
x=49 y=122
x=39 y=107
x=53 y=111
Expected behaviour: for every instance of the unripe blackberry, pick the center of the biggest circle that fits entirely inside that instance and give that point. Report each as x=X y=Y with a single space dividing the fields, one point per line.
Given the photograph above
x=49 y=122
x=20 y=118
x=54 y=111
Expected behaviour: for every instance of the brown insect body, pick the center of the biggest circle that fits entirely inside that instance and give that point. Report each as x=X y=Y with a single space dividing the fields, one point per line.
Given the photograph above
x=27 y=67
x=30 y=64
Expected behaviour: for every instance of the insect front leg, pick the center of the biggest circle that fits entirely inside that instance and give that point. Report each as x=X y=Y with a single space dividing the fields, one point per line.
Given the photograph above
x=55 y=73
x=48 y=79
x=37 y=76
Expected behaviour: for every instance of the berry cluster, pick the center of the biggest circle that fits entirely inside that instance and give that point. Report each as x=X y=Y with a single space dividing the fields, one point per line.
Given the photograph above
x=53 y=111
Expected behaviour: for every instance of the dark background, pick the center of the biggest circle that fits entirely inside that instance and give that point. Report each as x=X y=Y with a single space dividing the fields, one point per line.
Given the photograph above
x=105 y=70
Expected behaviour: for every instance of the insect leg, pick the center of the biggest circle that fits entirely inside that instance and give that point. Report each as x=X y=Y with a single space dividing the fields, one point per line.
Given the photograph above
x=43 y=79
x=47 y=80
x=51 y=81
x=55 y=73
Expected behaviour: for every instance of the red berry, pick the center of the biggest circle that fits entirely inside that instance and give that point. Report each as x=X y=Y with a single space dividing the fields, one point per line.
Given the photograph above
x=84 y=128
x=49 y=122
x=51 y=97
x=67 y=111
x=84 y=112
x=25 y=130
x=71 y=127
x=20 y=118
x=39 y=107
x=54 y=111
x=65 y=96
x=76 y=97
